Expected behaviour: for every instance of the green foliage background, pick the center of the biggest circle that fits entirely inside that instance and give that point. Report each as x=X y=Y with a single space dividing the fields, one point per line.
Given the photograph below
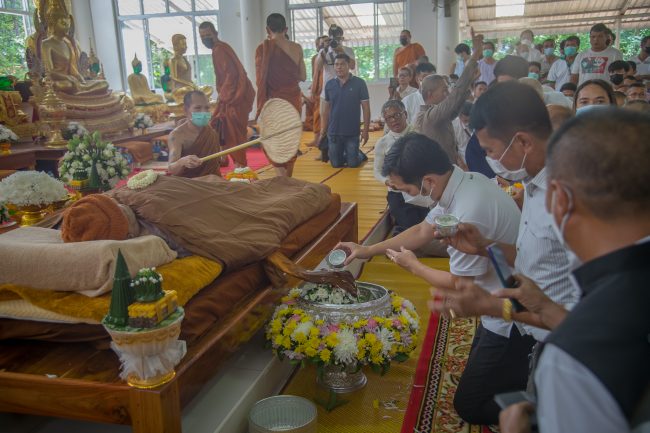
x=12 y=41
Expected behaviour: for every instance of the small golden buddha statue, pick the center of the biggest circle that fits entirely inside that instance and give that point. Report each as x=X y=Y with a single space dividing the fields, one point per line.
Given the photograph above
x=60 y=57
x=139 y=86
x=181 y=72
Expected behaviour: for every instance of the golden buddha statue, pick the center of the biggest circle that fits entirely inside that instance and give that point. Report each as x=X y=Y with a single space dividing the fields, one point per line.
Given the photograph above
x=60 y=57
x=139 y=86
x=181 y=72
x=53 y=52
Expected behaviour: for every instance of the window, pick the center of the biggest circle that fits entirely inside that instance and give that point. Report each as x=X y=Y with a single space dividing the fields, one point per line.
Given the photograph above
x=15 y=26
x=146 y=30
x=370 y=28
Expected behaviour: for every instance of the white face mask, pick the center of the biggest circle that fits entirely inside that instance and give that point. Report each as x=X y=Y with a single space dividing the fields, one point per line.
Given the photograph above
x=574 y=261
x=421 y=200
x=498 y=168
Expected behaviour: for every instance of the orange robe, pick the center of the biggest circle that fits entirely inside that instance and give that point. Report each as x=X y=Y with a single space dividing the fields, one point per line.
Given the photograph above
x=205 y=144
x=406 y=56
x=278 y=76
x=309 y=106
x=316 y=89
x=236 y=95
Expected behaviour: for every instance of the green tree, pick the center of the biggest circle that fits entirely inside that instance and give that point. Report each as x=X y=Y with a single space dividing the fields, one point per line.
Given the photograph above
x=158 y=56
x=12 y=41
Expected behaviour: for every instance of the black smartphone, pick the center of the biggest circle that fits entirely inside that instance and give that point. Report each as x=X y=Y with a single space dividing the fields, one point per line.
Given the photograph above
x=394 y=84
x=498 y=259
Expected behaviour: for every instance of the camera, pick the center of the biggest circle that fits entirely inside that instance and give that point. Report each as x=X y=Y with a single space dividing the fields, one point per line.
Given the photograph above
x=334 y=44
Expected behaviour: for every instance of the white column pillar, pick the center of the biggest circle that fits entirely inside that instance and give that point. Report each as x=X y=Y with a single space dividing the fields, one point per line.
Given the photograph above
x=252 y=33
x=421 y=21
x=447 y=36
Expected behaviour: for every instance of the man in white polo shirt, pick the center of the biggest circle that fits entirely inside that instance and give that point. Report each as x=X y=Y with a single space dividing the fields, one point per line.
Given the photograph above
x=418 y=165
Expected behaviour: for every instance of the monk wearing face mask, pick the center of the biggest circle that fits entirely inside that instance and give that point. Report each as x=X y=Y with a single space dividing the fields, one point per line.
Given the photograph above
x=194 y=139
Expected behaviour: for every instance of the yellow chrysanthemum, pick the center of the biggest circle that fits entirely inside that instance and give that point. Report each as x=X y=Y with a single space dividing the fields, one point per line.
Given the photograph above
x=311 y=352
x=278 y=340
x=371 y=338
x=300 y=337
x=325 y=355
x=314 y=332
x=314 y=342
x=286 y=342
x=332 y=339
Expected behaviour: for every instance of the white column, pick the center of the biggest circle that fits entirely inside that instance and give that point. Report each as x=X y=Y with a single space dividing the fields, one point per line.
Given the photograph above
x=421 y=21
x=252 y=33
x=447 y=37
x=105 y=40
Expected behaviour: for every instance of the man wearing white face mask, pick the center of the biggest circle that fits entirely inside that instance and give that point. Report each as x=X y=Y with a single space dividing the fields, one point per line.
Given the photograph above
x=194 y=139
x=513 y=126
x=418 y=165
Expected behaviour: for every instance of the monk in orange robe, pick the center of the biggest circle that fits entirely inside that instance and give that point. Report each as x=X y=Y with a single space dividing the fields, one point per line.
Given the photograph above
x=407 y=55
x=194 y=139
x=279 y=67
x=316 y=90
x=236 y=93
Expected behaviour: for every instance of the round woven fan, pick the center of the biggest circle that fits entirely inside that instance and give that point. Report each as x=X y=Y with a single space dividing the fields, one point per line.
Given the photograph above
x=280 y=130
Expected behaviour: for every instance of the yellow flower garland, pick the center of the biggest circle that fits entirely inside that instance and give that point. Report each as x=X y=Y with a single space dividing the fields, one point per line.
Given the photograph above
x=294 y=334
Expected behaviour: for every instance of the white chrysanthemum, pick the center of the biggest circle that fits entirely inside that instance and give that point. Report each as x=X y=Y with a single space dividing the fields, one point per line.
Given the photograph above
x=302 y=328
x=414 y=322
x=345 y=352
x=408 y=305
x=31 y=188
x=387 y=341
x=295 y=292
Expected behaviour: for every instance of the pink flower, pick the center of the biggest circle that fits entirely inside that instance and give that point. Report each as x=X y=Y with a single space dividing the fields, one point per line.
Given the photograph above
x=397 y=324
x=333 y=328
x=372 y=323
x=291 y=301
x=296 y=317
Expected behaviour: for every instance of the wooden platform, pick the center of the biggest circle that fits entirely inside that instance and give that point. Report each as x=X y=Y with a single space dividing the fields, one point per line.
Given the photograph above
x=80 y=382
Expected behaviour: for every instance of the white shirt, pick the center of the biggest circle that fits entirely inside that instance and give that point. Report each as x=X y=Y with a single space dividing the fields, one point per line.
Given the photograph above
x=487 y=71
x=570 y=398
x=382 y=147
x=475 y=199
x=556 y=98
x=589 y=64
x=463 y=134
x=328 y=69
x=532 y=55
x=559 y=73
x=408 y=91
x=413 y=102
x=546 y=65
x=642 y=66
x=540 y=255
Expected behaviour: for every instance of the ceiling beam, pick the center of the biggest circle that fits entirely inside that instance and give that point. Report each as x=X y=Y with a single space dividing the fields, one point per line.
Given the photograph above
x=625 y=7
x=496 y=27
x=526 y=3
x=609 y=14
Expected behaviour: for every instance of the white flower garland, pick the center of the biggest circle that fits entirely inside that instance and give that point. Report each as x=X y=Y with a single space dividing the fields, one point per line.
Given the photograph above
x=142 y=179
x=7 y=134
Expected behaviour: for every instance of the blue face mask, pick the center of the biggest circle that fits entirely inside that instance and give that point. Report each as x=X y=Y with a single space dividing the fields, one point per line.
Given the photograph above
x=548 y=51
x=570 y=51
x=586 y=108
x=201 y=118
x=533 y=75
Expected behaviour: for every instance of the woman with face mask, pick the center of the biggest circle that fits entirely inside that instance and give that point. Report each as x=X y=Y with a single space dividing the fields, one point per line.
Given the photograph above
x=593 y=94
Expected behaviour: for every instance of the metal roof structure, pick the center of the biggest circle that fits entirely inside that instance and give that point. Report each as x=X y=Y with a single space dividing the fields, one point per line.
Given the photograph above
x=497 y=18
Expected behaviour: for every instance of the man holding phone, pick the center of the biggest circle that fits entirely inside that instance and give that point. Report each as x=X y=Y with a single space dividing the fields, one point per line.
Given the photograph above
x=418 y=165
x=513 y=127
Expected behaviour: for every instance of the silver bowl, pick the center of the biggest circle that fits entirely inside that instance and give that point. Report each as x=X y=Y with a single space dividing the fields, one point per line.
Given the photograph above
x=283 y=413
x=378 y=305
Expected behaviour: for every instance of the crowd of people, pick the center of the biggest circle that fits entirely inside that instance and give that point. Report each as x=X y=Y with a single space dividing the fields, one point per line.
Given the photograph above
x=565 y=132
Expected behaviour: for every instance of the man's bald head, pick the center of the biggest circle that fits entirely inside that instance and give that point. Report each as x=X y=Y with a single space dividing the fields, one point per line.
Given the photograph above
x=603 y=156
x=434 y=89
x=558 y=114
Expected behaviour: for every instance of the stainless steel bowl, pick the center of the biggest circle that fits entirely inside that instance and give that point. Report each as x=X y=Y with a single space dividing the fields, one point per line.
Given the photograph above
x=283 y=413
x=378 y=305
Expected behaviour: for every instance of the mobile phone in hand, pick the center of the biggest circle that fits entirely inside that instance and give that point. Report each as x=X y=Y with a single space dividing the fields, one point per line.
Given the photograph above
x=498 y=259
x=393 y=83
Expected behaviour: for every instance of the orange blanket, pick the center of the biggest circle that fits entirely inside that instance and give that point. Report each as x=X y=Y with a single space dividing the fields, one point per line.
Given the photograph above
x=236 y=95
x=205 y=144
x=277 y=75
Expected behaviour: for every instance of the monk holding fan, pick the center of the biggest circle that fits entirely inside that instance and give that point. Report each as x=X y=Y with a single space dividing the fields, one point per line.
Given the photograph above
x=279 y=67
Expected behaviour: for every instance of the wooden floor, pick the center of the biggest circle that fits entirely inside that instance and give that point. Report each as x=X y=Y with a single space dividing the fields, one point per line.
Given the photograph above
x=353 y=184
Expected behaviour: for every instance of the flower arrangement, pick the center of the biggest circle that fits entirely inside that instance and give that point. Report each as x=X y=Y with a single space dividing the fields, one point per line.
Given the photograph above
x=148 y=285
x=7 y=134
x=142 y=121
x=324 y=294
x=74 y=130
x=243 y=174
x=31 y=188
x=142 y=179
x=294 y=334
x=90 y=151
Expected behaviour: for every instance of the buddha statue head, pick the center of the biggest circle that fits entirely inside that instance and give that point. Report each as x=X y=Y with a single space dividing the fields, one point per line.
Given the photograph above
x=179 y=42
x=58 y=20
x=136 y=64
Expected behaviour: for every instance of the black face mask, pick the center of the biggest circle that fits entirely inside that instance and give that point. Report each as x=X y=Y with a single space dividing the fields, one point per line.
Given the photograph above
x=616 y=79
x=403 y=41
x=647 y=50
x=208 y=42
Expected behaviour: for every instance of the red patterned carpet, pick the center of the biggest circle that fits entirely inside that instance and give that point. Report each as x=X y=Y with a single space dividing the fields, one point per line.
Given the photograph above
x=442 y=360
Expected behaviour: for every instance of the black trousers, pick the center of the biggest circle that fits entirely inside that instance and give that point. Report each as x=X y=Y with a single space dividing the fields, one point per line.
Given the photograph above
x=405 y=215
x=496 y=364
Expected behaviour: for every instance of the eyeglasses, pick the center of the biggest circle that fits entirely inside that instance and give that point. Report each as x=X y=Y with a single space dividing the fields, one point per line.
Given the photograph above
x=394 y=116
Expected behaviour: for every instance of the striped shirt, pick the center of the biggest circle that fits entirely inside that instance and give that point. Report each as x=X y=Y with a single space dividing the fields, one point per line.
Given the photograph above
x=540 y=255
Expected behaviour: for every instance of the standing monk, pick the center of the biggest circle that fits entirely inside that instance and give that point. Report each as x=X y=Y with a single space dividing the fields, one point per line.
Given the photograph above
x=236 y=93
x=194 y=139
x=279 y=67
x=317 y=88
x=309 y=101
x=407 y=55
